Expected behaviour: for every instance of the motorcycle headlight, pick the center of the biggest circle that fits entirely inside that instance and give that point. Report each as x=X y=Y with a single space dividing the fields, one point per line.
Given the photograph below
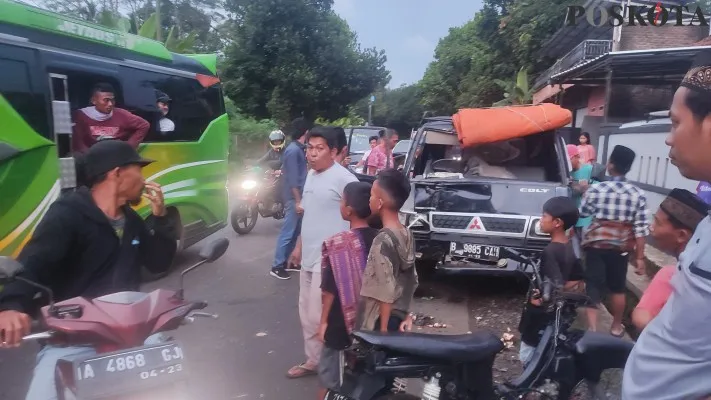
x=249 y=184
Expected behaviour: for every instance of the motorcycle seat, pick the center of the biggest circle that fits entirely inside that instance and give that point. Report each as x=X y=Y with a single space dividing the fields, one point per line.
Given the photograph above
x=468 y=348
x=594 y=342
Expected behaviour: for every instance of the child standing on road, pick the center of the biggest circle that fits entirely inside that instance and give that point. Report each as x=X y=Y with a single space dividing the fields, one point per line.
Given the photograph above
x=558 y=265
x=343 y=260
x=389 y=279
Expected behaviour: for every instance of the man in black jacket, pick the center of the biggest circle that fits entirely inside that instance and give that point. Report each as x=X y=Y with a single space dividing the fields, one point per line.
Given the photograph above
x=90 y=243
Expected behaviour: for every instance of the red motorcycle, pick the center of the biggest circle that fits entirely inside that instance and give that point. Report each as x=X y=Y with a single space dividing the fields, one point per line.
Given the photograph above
x=117 y=325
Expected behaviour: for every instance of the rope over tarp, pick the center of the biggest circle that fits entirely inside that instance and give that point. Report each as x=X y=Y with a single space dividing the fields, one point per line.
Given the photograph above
x=477 y=126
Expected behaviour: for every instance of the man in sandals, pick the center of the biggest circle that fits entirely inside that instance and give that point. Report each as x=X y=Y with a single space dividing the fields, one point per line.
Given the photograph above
x=618 y=230
x=322 y=219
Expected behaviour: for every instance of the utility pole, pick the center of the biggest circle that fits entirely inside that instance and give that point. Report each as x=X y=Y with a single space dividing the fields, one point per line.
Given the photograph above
x=370 y=110
x=159 y=35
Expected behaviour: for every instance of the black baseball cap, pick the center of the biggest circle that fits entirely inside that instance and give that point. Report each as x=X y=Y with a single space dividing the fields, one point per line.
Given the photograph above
x=162 y=97
x=109 y=154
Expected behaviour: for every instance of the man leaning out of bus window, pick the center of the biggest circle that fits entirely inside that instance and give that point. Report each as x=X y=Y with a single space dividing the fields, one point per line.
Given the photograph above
x=103 y=120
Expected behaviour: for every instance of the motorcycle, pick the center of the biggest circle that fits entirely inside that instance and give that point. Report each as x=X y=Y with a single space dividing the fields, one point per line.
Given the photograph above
x=257 y=195
x=567 y=364
x=117 y=326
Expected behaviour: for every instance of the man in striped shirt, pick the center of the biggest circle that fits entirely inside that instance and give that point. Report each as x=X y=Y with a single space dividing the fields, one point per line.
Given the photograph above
x=619 y=227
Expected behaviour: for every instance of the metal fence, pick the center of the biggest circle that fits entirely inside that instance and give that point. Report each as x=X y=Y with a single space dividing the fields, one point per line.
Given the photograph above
x=586 y=50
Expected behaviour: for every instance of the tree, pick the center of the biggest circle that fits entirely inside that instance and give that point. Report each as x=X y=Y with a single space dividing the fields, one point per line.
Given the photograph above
x=296 y=57
x=516 y=92
x=399 y=108
x=472 y=58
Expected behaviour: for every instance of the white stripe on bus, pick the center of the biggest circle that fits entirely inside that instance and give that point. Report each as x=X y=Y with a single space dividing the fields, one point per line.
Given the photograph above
x=181 y=166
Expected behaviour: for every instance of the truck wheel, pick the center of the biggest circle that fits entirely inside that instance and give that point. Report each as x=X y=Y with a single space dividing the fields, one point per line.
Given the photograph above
x=426 y=268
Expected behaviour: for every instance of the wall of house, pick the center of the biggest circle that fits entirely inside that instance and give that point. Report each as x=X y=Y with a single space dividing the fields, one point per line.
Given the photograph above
x=649 y=37
x=634 y=101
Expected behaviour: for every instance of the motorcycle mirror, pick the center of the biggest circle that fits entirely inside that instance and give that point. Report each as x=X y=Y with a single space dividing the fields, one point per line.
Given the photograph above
x=209 y=253
x=9 y=269
x=214 y=250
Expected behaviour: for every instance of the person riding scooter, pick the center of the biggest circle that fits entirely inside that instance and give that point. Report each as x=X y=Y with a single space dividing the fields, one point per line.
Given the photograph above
x=90 y=243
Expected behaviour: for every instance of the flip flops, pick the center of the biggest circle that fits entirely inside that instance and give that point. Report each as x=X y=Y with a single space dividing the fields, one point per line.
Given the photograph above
x=300 y=371
x=619 y=335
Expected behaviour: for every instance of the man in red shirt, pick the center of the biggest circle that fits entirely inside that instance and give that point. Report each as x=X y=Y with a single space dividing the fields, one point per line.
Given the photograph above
x=381 y=157
x=672 y=228
x=103 y=120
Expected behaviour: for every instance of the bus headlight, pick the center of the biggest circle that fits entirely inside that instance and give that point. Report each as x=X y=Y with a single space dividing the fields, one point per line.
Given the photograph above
x=249 y=184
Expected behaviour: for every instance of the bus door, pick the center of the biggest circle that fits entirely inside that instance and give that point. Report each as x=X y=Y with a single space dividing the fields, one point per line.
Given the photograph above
x=62 y=122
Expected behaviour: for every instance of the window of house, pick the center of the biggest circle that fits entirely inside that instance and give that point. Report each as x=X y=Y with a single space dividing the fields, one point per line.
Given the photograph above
x=16 y=87
x=191 y=109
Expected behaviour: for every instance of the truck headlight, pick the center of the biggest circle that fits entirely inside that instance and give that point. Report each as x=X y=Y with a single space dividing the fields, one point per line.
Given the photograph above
x=248 y=184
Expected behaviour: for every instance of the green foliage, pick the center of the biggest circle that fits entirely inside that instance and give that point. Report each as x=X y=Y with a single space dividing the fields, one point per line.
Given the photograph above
x=352 y=119
x=399 y=108
x=296 y=57
x=247 y=135
x=473 y=63
x=186 y=24
x=517 y=91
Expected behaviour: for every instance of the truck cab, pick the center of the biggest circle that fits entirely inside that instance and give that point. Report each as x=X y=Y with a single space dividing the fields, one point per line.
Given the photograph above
x=466 y=204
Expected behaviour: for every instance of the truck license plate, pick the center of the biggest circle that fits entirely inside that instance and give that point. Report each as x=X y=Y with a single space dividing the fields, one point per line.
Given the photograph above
x=476 y=251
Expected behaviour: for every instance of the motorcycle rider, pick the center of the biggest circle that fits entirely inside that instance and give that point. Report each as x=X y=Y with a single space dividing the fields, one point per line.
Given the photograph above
x=89 y=243
x=272 y=159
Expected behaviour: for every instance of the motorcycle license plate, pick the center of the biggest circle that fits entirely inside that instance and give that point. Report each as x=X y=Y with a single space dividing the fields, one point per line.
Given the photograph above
x=475 y=251
x=331 y=395
x=129 y=370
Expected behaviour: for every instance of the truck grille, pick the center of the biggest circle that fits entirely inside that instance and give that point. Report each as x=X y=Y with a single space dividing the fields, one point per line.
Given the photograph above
x=491 y=224
x=508 y=225
x=451 y=221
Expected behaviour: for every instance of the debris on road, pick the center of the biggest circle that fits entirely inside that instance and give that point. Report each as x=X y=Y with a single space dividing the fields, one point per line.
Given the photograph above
x=261 y=334
x=422 y=320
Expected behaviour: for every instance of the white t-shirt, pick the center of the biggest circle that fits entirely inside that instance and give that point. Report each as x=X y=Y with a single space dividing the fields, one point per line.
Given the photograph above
x=322 y=211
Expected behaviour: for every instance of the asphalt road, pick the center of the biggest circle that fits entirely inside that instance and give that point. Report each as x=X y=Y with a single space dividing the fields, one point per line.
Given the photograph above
x=242 y=355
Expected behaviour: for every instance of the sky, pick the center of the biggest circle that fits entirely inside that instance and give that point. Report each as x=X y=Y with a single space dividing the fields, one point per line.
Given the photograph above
x=408 y=30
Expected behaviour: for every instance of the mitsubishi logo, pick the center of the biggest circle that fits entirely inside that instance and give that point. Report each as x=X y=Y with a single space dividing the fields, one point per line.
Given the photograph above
x=476 y=225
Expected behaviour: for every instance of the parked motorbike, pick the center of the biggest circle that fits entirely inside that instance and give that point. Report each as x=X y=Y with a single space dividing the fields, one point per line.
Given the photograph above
x=257 y=194
x=117 y=325
x=567 y=364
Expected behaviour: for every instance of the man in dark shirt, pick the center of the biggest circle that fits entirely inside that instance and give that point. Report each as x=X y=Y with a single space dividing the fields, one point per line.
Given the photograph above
x=294 y=176
x=90 y=243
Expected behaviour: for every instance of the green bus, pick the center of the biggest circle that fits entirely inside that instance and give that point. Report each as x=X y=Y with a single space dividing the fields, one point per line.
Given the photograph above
x=48 y=65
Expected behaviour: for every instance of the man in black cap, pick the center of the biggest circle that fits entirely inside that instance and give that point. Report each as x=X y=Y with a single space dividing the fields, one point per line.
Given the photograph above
x=672 y=357
x=619 y=226
x=165 y=124
x=89 y=243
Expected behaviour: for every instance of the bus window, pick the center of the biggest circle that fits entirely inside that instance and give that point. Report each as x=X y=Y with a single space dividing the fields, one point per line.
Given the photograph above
x=190 y=110
x=15 y=87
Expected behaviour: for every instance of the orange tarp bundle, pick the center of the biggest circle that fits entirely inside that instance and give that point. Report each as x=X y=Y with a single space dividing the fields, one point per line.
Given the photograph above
x=477 y=126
